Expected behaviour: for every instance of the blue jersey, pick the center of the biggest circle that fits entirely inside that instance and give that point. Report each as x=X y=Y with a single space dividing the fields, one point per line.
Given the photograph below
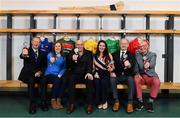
x=56 y=68
x=46 y=46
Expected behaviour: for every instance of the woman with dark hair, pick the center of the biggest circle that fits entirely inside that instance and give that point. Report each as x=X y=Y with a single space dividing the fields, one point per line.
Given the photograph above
x=55 y=74
x=103 y=65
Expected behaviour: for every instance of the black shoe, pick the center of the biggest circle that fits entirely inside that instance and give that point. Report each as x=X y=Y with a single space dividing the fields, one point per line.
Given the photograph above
x=150 y=107
x=32 y=108
x=44 y=106
x=70 y=109
x=139 y=106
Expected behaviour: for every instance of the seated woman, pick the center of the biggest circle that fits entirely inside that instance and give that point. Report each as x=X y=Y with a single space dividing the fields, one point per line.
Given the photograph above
x=103 y=64
x=55 y=74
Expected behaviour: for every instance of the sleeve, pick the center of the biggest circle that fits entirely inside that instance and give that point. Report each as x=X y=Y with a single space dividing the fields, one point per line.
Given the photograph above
x=136 y=66
x=132 y=61
x=71 y=63
x=44 y=63
x=21 y=57
x=90 y=63
x=153 y=61
x=63 y=67
x=48 y=57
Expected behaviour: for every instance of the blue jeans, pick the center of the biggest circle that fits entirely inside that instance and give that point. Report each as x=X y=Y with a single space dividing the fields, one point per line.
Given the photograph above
x=58 y=87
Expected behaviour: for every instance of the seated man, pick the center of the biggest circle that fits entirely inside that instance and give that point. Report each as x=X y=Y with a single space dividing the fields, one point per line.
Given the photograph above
x=81 y=64
x=145 y=74
x=123 y=73
x=32 y=71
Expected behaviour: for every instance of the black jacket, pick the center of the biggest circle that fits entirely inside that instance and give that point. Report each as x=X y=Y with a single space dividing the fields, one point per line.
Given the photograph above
x=84 y=63
x=119 y=65
x=30 y=66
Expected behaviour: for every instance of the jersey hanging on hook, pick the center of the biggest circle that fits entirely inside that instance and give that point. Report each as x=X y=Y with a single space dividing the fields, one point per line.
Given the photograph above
x=45 y=45
x=67 y=44
x=113 y=44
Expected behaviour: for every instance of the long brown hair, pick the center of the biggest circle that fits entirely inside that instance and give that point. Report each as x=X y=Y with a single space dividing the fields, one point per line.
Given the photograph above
x=53 y=49
x=105 y=53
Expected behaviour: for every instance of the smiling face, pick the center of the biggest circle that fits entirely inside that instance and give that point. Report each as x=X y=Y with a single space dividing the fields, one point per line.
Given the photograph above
x=124 y=43
x=35 y=42
x=79 y=45
x=102 y=47
x=57 y=47
x=144 y=47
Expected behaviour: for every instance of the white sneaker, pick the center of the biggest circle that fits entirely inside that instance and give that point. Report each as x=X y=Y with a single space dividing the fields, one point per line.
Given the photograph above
x=100 y=106
x=105 y=105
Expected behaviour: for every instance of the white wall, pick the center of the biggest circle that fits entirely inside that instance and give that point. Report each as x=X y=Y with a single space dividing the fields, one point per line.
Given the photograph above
x=3 y=56
x=2 y=49
x=68 y=22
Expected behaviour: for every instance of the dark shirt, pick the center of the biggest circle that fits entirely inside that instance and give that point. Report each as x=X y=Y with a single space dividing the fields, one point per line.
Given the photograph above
x=119 y=64
x=84 y=63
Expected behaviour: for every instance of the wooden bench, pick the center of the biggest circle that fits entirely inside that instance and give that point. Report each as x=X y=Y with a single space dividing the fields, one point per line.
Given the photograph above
x=19 y=84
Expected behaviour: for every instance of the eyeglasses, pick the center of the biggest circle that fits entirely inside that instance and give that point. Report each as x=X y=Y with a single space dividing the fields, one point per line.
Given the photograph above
x=143 y=46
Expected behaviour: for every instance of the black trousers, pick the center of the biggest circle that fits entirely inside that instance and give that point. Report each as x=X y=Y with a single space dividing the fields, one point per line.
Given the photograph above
x=101 y=88
x=32 y=90
x=80 y=78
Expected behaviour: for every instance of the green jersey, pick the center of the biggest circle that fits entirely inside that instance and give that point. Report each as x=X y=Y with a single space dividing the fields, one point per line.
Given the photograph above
x=67 y=45
x=113 y=45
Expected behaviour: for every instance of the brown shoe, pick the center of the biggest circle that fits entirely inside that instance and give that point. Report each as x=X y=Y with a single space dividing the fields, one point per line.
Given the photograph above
x=54 y=104
x=89 y=109
x=58 y=103
x=129 y=108
x=70 y=109
x=116 y=106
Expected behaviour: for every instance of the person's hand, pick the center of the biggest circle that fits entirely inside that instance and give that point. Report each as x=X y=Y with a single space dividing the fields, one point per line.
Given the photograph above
x=113 y=74
x=75 y=57
x=52 y=60
x=38 y=74
x=127 y=64
x=110 y=68
x=138 y=76
x=146 y=65
x=59 y=76
x=89 y=76
x=25 y=52
x=96 y=75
